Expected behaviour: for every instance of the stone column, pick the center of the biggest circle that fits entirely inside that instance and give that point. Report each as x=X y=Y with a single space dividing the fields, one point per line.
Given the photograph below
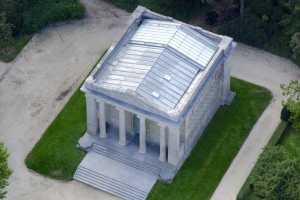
x=91 y=115
x=162 y=152
x=122 y=127
x=142 y=147
x=102 y=119
x=174 y=145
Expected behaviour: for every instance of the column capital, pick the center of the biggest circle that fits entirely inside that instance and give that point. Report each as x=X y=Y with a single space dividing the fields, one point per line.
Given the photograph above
x=142 y=117
x=120 y=109
x=99 y=100
x=162 y=125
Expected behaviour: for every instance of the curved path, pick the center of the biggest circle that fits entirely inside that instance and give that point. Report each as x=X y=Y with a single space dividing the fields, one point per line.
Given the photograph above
x=270 y=71
x=36 y=86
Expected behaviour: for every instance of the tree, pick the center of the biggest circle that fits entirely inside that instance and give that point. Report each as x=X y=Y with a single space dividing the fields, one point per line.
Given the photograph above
x=5 y=30
x=292 y=92
x=276 y=175
x=13 y=10
x=4 y=171
x=295 y=46
x=242 y=8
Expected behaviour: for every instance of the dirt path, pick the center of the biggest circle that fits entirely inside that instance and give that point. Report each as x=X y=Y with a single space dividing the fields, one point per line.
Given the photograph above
x=270 y=71
x=35 y=87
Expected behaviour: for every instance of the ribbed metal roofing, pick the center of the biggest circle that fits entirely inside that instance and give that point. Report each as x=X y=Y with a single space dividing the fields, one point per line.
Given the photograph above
x=129 y=67
x=195 y=46
x=169 y=78
x=158 y=63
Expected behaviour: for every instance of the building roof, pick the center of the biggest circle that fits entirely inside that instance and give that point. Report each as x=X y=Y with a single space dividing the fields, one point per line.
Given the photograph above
x=155 y=63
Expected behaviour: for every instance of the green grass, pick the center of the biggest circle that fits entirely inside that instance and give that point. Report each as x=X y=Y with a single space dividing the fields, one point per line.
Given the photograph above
x=291 y=142
x=278 y=134
x=221 y=141
x=56 y=154
x=9 y=52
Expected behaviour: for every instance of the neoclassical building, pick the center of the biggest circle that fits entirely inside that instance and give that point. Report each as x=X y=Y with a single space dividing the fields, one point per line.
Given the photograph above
x=153 y=93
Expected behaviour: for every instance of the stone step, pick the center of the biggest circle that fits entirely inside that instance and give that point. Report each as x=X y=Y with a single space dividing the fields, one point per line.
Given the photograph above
x=118 y=156
x=108 y=184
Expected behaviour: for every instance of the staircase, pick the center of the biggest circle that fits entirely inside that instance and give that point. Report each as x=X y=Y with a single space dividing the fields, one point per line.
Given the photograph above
x=112 y=171
x=119 y=156
x=109 y=185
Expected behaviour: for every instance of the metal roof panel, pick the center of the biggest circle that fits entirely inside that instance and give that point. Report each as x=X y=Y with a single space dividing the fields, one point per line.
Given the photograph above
x=158 y=62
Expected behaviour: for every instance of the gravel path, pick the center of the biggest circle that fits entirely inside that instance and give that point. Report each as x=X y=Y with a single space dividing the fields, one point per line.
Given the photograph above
x=35 y=87
x=270 y=71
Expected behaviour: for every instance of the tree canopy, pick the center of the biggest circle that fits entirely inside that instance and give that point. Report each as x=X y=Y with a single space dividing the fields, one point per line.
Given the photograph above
x=276 y=176
x=292 y=103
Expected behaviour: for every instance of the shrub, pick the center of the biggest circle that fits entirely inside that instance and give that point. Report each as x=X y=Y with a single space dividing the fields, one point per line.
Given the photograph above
x=29 y=16
x=5 y=30
x=250 y=30
x=275 y=176
x=14 y=11
x=295 y=46
x=211 y=17
x=43 y=13
x=4 y=171
x=285 y=114
x=268 y=24
x=292 y=92
x=180 y=9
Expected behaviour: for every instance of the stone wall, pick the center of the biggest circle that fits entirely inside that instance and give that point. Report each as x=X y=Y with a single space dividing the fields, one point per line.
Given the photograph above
x=205 y=107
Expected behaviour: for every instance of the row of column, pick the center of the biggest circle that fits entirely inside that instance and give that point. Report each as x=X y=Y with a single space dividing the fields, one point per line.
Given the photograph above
x=96 y=122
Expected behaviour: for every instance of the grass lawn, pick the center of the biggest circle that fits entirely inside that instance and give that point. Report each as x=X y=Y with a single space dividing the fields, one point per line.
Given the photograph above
x=9 y=53
x=56 y=155
x=221 y=141
x=291 y=142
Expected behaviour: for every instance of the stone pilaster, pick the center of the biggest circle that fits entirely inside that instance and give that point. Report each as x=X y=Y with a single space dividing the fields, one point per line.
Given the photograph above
x=91 y=112
x=174 y=145
x=102 y=119
x=122 y=127
x=162 y=151
x=142 y=147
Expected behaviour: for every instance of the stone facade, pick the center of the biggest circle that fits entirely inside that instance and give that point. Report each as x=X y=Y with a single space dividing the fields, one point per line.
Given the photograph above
x=163 y=123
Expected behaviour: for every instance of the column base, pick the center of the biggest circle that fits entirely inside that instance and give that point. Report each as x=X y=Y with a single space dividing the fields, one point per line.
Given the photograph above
x=142 y=150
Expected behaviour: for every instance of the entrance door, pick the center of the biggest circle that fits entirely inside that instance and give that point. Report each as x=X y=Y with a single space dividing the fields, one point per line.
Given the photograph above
x=135 y=129
x=135 y=125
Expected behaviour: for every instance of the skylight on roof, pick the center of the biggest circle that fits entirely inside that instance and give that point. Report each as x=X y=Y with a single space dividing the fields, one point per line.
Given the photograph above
x=155 y=94
x=167 y=77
